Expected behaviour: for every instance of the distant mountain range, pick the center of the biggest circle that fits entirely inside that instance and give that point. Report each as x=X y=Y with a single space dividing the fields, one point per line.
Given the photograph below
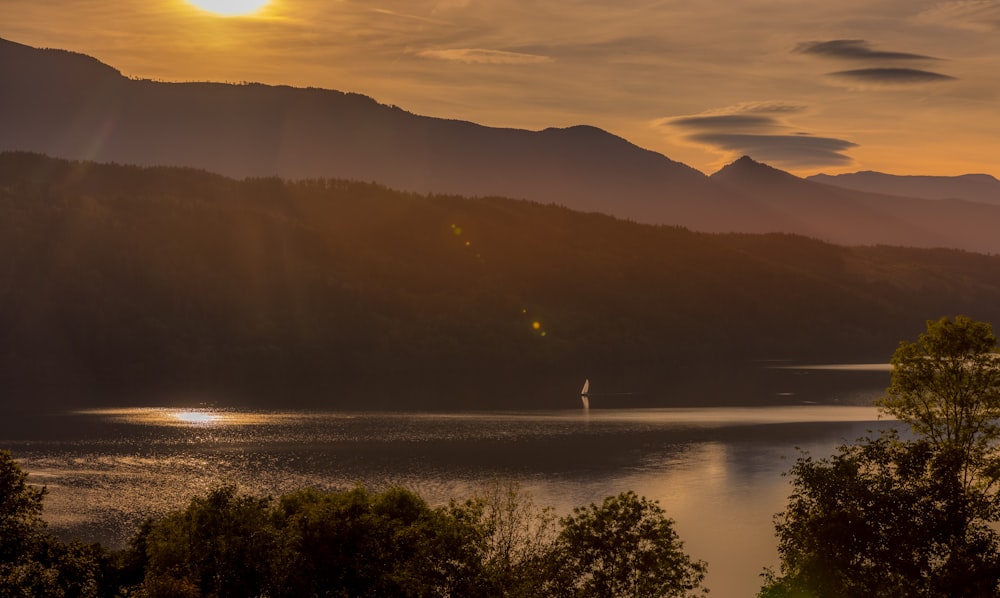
x=972 y=187
x=72 y=106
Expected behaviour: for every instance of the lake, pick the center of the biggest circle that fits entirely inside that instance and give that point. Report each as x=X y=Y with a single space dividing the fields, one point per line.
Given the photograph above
x=716 y=471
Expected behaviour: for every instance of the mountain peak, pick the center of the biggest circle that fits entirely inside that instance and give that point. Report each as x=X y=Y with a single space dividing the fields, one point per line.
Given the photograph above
x=746 y=170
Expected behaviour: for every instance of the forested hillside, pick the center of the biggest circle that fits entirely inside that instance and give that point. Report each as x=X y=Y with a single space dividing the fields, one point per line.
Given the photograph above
x=128 y=284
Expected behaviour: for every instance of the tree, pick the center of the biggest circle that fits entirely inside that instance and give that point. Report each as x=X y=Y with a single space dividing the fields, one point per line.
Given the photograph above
x=515 y=539
x=20 y=510
x=32 y=562
x=947 y=387
x=887 y=518
x=914 y=517
x=221 y=545
x=360 y=543
x=627 y=546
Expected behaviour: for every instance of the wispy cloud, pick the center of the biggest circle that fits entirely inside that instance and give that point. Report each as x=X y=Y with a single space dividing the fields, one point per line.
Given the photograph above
x=483 y=56
x=891 y=76
x=800 y=150
x=725 y=122
x=854 y=49
x=975 y=15
x=402 y=15
x=757 y=130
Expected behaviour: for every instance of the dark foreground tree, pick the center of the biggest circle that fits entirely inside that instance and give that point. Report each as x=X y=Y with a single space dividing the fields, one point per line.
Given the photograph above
x=515 y=540
x=627 y=546
x=32 y=562
x=916 y=517
x=884 y=517
x=221 y=545
x=353 y=543
x=360 y=543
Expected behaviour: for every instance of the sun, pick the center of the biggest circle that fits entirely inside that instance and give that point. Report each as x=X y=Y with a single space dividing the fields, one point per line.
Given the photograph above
x=230 y=8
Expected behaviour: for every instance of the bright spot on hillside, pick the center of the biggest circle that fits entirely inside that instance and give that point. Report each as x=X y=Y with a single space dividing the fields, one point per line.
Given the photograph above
x=230 y=8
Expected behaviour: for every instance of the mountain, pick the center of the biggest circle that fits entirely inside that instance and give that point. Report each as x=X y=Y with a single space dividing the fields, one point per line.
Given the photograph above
x=69 y=105
x=851 y=217
x=125 y=285
x=982 y=188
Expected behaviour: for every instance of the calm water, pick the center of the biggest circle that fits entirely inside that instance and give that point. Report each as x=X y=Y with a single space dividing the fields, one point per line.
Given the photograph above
x=716 y=471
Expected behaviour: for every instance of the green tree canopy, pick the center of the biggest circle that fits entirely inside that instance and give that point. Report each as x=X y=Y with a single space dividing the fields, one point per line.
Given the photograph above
x=32 y=562
x=884 y=518
x=20 y=509
x=946 y=385
x=626 y=546
x=516 y=539
x=914 y=517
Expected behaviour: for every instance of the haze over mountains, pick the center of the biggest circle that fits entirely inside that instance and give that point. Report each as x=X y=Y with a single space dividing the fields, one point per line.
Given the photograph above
x=983 y=188
x=72 y=106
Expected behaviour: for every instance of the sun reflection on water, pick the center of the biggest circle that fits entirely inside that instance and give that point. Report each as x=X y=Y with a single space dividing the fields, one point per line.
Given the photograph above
x=185 y=417
x=197 y=417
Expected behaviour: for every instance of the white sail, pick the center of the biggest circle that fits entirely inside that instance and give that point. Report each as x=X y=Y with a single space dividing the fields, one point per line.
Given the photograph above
x=586 y=386
x=584 y=394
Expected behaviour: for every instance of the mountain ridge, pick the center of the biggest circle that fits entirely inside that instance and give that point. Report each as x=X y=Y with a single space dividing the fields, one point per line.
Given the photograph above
x=983 y=188
x=50 y=106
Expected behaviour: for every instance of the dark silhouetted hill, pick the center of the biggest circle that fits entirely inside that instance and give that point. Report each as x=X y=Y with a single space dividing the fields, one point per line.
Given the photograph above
x=983 y=188
x=71 y=106
x=60 y=104
x=124 y=284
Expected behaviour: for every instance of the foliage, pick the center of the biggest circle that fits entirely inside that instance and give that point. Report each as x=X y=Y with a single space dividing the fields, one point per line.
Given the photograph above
x=947 y=387
x=358 y=543
x=351 y=543
x=20 y=510
x=515 y=539
x=915 y=517
x=884 y=517
x=32 y=562
x=624 y=547
x=221 y=545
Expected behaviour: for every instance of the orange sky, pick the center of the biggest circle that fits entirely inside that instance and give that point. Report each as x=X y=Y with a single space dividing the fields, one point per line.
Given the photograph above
x=899 y=86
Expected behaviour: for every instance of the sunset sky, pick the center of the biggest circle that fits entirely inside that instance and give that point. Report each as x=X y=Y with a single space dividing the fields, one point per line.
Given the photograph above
x=899 y=86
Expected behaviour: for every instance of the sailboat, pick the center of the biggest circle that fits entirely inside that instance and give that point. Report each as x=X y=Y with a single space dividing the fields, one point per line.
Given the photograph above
x=585 y=394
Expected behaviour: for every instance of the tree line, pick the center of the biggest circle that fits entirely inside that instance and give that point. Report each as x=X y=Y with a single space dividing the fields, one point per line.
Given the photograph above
x=353 y=543
x=898 y=515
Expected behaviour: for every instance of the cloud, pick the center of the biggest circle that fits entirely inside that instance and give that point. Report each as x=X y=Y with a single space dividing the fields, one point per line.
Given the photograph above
x=402 y=15
x=798 y=150
x=975 y=15
x=891 y=76
x=483 y=56
x=854 y=49
x=758 y=130
x=859 y=50
x=725 y=122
